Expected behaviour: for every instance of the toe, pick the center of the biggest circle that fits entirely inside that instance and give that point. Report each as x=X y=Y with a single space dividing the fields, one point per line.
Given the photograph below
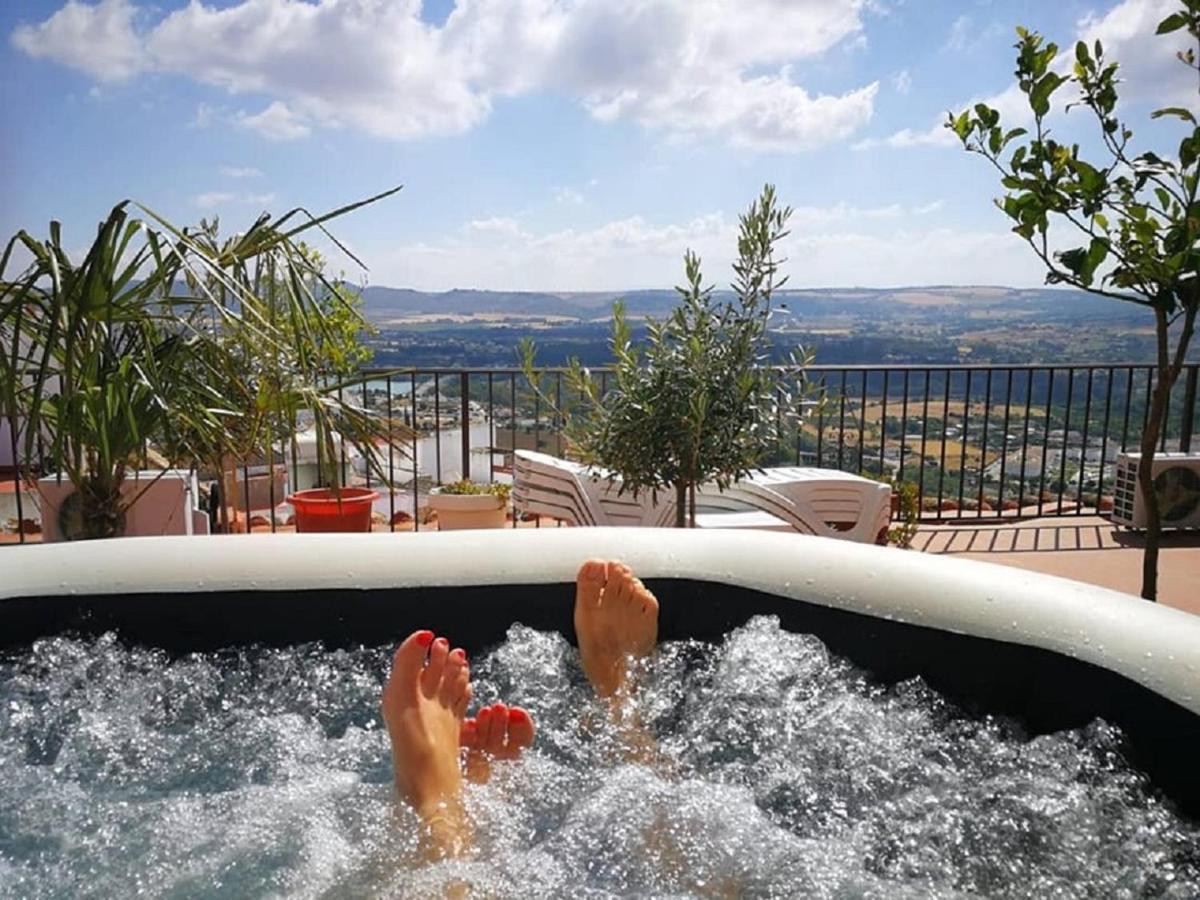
x=620 y=583
x=459 y=705
x=483 y=721
x=520 y=729
x=431 y=678
x=468 y=734
x=590 y=582
x=498 y=731
x=648 y=600
x=407 y=666
x=450 y=688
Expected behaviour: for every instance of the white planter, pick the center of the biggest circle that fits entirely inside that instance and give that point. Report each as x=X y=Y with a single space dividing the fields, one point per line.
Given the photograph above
x=255 y=494
x=459 y=511
x=170 y=505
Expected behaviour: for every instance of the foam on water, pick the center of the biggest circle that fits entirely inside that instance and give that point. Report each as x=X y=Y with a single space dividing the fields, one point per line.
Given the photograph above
x=774 y=769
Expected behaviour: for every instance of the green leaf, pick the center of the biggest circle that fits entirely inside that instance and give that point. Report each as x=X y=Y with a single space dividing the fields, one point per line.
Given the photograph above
x=1073 y=260
x=1014 y=133
x=1188 y=149
x=1171 y=23
x=1091 y=181
x=1101 y=220
x=1097 y=251
x=962 y=124
x=1177 y=111
x=1039 y=97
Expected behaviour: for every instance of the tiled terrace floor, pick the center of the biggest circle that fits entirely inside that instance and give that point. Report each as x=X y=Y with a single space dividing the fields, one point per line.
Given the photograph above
x=1085 y=548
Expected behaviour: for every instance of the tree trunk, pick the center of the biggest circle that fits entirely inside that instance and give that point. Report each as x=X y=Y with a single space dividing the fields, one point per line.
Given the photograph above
x=101 y=507
x=1155 y=422
x=681 y=489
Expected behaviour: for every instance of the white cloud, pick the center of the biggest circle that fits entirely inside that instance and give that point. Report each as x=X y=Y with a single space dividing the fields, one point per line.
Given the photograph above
x=218 y=199
x=213 y=199
x=205 y=114
x=567 y=196
x=960 y=33
x=98 y=40
x=1149 y=72
x=966 y=36
x=501 y=225
x=902 y=82
x=826 y=244
x=276 y=122
x=241 y=172
x=713 y=68
x=1149 y=69
x=907 y=137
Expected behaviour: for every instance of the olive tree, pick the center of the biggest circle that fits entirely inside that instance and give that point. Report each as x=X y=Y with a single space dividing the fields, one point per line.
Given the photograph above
x=699 y=401
x=1135 y=216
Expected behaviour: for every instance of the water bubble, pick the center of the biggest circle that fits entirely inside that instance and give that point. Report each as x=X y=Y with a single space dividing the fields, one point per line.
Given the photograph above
x=787 y=772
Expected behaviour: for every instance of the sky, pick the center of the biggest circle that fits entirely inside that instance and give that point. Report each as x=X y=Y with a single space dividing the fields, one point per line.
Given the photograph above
x=561 y=145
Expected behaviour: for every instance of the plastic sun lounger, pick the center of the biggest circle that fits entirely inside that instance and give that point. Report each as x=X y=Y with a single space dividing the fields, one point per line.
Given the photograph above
x=846 y=506
x=822 y=502
x=556 y=487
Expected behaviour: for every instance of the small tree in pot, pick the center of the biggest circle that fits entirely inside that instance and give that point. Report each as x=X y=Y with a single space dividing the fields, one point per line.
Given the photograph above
x=700 y=402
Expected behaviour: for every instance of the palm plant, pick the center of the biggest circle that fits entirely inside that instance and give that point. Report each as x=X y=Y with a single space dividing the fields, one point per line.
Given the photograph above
x=165 y=337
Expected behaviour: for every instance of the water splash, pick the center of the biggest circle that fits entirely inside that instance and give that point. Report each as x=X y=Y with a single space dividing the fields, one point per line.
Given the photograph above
x=777 y=769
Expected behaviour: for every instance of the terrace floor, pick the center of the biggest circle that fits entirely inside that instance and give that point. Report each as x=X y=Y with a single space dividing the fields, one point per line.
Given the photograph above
x=1085 y=548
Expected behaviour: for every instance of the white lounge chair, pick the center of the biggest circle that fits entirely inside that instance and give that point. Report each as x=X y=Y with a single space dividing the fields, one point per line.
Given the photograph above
x=823 y=502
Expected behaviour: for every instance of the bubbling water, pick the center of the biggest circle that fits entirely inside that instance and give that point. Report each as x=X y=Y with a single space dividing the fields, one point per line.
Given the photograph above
x=763 y=767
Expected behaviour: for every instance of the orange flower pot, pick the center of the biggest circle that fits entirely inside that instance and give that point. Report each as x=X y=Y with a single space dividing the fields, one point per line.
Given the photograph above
x=319 y=509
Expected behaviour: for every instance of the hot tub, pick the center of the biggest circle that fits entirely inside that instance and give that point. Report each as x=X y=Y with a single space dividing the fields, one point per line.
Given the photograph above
x=1001 y=644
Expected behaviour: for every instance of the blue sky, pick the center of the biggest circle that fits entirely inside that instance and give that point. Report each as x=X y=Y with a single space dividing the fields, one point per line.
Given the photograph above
x=549 y=144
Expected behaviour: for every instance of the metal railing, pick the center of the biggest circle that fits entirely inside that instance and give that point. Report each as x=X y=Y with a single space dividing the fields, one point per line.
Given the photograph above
x=978 y=441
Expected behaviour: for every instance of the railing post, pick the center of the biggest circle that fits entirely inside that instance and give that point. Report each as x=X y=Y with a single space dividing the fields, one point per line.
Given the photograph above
x=464 y=384
x=1189 y=410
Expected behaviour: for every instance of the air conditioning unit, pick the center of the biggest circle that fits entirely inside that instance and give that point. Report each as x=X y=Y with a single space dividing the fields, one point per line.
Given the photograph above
x=1176 y=482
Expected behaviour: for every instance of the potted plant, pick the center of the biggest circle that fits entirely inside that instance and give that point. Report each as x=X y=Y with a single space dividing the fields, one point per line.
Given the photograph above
x=161 y=337
x=329 y=509
x=701 y=400
x=468 y=504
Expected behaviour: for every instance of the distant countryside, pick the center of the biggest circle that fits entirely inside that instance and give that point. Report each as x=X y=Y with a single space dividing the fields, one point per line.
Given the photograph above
x=891 y=393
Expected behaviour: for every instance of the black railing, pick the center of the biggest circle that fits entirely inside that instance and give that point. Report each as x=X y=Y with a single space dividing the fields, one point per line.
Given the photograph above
x=978 y=441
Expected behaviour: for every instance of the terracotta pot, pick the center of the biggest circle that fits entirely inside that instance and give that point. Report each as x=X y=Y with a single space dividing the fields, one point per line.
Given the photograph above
x=459 y=511
x=320 y=510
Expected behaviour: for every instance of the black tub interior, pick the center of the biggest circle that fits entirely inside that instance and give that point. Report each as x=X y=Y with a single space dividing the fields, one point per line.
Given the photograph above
x=1045 y=691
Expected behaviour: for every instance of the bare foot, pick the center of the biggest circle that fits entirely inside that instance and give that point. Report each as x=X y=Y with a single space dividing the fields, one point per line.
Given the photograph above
x=616 y=618
x=423 y=705
x=496 y=732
